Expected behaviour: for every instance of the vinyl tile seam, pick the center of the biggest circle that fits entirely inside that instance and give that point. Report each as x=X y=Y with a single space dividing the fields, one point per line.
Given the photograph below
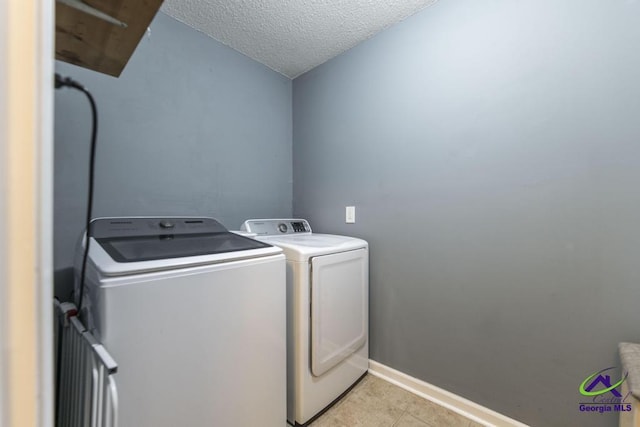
x=399 y=418
x=395 y=423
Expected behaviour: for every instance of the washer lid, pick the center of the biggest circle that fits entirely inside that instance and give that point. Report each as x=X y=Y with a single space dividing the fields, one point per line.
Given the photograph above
x=133 y=245
x=301 y=247
x=151 y=248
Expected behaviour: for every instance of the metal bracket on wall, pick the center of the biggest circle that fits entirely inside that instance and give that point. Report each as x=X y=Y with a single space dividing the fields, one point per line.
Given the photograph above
x=83 y=7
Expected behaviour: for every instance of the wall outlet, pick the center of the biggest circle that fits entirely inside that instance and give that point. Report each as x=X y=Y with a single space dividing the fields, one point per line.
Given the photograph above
x=350 y=214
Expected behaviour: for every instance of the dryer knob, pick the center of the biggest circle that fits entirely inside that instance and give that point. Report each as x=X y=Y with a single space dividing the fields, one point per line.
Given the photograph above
x=282 y=227
x=166 y=224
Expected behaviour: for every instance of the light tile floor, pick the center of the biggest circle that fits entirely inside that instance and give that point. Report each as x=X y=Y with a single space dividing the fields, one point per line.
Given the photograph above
x=377 y=403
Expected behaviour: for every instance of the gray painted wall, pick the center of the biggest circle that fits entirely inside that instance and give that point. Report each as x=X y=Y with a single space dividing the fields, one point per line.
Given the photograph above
x=191 y=127
x=491 y=149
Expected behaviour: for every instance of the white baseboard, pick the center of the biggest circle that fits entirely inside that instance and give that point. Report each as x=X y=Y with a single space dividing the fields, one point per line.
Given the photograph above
x=455 y=403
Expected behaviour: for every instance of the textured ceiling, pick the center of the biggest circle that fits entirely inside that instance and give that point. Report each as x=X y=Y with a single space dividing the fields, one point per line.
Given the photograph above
x=291 y=36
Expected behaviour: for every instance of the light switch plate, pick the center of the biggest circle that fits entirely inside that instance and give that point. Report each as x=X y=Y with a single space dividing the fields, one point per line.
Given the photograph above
x=350 y=214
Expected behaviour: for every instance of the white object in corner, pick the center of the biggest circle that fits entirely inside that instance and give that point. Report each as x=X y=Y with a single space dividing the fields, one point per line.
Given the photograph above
x=446 y=399
x=631 y=418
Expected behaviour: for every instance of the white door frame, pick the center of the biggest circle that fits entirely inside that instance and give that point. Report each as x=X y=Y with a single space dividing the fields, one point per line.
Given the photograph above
x=26 y=213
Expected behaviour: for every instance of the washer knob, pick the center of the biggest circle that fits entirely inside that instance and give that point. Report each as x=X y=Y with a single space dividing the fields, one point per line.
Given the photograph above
x=166 y=224
x=282 y=227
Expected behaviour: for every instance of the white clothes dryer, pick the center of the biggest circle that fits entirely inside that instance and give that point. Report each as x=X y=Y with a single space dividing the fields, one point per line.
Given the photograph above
x=327 y=313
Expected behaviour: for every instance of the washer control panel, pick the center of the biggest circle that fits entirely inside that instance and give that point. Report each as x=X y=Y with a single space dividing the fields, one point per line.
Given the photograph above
x=276 y=227
x=153 y=226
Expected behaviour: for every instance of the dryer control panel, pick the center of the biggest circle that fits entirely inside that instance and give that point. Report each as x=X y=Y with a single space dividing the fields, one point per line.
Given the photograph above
x=276 y=227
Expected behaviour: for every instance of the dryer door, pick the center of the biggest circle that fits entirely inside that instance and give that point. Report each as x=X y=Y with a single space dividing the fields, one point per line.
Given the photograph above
x=339 y=307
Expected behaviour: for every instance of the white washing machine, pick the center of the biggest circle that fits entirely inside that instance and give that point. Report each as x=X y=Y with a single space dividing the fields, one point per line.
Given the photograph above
x=327 y=313
x=195 y=318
